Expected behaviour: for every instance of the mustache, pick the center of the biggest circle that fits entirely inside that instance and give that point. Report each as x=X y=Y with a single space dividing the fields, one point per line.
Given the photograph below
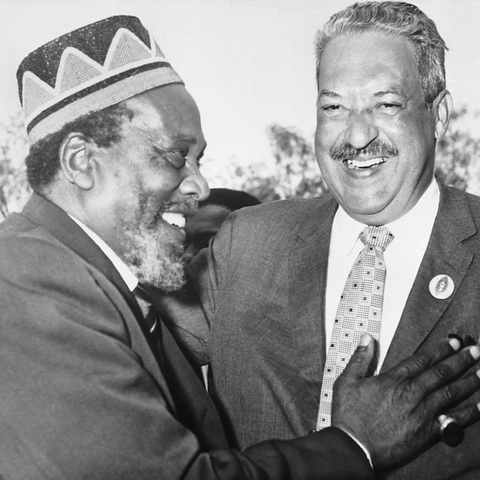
x=377 y=148
x=151 y=219
x=187 y=207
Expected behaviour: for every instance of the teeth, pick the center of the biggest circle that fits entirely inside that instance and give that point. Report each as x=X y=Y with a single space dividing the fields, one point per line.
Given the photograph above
x=176 y=219
x=355 y=164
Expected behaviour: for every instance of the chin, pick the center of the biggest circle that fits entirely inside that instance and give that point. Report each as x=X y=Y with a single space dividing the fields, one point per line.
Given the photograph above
x=155 y=259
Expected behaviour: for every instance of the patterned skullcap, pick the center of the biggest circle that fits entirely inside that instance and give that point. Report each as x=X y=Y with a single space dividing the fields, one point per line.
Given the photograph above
x=87 y=70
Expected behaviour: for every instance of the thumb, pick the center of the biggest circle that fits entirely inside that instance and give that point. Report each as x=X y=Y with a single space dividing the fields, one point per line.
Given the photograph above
x=357 y=367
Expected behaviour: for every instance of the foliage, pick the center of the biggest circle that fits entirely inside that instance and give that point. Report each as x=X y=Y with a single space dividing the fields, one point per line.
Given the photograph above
x=13 y=149
x=291 y=172
x=458 y=153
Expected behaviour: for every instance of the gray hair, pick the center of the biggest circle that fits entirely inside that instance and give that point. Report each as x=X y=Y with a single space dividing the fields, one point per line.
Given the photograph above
x=393 y=18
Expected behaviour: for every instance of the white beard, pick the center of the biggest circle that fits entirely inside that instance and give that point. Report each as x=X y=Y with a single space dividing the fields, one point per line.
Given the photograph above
x=153 y=256
x=155 y=259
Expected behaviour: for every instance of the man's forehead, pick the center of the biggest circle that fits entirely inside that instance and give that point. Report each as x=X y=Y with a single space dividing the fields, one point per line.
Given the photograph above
x=351 y=58
x=365 y=41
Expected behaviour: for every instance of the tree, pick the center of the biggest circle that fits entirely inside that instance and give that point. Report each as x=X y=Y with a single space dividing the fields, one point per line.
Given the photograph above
x=297 y=172
x=458 y=153
x=292 y=171
x=13 y=149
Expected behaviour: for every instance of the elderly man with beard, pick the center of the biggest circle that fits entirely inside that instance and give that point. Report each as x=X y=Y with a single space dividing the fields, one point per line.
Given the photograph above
x=92 y=384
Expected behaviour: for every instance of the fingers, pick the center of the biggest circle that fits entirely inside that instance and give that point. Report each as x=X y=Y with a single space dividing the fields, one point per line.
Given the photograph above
x=453 y=393
x=451 y=433
x=358 y=365
x=420 y=362
x=451 y=426
x=466 y=416
x=448 y=369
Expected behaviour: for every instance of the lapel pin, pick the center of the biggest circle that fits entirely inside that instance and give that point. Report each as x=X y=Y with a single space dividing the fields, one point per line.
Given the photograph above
x=441 y=286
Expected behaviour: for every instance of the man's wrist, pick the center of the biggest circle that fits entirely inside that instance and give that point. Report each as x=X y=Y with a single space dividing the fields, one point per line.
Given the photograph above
x=359 y=443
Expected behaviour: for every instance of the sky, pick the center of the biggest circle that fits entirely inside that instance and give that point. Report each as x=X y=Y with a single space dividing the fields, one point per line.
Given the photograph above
x=247 y=63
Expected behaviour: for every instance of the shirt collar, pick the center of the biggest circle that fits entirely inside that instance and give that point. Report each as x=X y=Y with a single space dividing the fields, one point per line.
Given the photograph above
x=420 y=218
x=345 y=229
x=345 y=232
x=128 y=277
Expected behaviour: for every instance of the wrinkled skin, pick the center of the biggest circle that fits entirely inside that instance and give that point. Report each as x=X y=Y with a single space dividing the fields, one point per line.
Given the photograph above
x=394 y=414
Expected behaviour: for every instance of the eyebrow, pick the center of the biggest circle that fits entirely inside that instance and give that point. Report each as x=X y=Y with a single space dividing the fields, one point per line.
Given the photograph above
x=392 y=91
x=178 y=141
x=328 y=93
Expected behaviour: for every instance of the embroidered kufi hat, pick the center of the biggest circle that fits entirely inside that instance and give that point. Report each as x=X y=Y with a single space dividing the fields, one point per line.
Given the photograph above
x=87 y=70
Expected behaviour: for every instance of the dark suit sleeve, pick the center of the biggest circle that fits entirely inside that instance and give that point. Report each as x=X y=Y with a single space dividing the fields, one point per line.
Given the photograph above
x=327 y=455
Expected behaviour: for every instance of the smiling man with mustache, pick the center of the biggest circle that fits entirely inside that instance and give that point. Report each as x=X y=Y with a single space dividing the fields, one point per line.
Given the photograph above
x=287 y=287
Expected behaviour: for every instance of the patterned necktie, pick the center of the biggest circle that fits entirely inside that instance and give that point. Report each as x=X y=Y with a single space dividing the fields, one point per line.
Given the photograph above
x=359 y=311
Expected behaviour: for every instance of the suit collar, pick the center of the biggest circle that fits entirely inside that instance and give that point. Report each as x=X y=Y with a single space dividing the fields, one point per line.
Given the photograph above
x=57 y=222
x=311 y=225
x=128 y=277
x=447 y=254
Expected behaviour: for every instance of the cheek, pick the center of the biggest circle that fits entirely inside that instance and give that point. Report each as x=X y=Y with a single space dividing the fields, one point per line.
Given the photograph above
x=412 y=132
x=161 y=181
x=329 y=133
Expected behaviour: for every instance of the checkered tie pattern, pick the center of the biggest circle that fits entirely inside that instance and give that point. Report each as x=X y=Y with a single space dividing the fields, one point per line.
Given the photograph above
x=359 y=311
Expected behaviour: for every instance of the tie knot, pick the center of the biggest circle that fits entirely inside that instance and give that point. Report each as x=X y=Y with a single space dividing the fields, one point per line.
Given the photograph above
x=380 y=237
x=140 y=292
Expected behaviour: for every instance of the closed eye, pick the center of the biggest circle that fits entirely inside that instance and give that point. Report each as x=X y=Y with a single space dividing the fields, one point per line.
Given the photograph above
x=389 y=108
x=331 y=107
x=333 y=110
x=176 y=157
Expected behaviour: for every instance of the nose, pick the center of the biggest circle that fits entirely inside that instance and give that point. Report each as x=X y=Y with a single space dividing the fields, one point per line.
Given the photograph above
x=194 y=183
x=361 y=130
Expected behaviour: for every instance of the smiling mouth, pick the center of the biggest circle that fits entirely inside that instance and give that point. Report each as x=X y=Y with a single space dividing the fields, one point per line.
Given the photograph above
x=175 y=219
x=364 y=164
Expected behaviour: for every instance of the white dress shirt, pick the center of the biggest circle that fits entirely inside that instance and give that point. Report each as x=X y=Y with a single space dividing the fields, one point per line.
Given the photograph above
x=411 y=235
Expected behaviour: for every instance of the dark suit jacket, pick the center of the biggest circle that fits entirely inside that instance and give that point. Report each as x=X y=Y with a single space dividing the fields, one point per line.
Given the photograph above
x=83 y=389
x=262 y=287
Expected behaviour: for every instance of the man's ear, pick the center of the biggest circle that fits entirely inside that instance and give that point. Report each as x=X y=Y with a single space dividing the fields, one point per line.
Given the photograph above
x=76 y=164
x=442 y=109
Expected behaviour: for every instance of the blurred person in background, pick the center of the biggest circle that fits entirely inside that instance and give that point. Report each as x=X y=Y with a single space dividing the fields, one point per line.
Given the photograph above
x=210 y=216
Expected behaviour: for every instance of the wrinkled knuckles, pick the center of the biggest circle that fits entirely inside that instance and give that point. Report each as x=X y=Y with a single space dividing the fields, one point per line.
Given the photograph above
x=420 y=362
x=444 y=372
x=450 y=393
x=424 y=359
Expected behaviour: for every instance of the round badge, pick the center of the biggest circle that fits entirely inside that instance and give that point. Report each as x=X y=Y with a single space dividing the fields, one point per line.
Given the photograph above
x=441 y=286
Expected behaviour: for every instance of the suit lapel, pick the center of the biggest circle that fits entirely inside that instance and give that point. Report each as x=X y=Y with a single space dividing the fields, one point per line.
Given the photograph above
x=192 y=404
x=195 y=408
x=61 y=226
x=445 y=255
x=308 y=259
